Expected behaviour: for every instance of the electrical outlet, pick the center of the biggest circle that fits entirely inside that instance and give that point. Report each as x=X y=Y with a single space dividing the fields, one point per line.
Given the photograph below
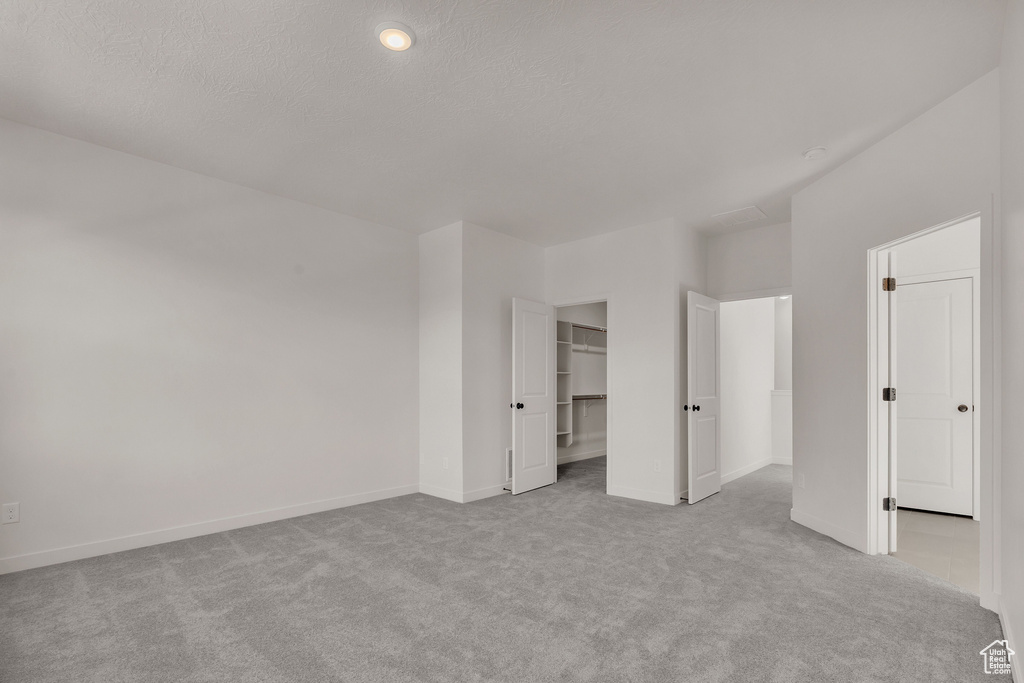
x=444 y=463
x=11 y=513
x=800 y=481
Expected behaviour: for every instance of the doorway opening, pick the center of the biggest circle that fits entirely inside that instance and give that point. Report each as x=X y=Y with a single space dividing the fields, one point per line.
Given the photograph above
x=926 y=401
x=582 y=401
x=757 y=384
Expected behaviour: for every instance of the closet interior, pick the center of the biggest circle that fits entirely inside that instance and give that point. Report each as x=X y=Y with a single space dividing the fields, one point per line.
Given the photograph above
x=582 y=381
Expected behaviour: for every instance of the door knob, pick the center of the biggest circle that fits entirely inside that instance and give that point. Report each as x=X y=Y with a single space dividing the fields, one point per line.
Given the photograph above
x=962 y=408
x=696 y=408
x=519 y=406
x=686 y=407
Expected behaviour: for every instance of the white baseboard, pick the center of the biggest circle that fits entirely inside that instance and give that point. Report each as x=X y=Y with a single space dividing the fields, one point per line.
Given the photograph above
x=641 y=494
x=486 y=492
x=844 y=536
x=562 y=459
x=438 y=492
x=115 y=545
x=743 y=471
x=782 y=461
x=1017 y=667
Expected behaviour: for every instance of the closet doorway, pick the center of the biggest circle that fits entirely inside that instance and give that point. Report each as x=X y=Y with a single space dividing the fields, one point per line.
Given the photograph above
x=582 y=382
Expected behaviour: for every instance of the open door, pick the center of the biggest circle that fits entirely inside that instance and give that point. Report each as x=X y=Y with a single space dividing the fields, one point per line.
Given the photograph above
x=704 y=464
x=534 y=458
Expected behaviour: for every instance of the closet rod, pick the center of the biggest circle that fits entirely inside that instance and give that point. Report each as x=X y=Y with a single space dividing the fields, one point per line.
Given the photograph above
x=588 y=397
x=590 y=327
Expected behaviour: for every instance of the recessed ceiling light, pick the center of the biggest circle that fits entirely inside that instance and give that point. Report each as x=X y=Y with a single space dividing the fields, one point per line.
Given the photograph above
x=395 y=36
x=814 y=153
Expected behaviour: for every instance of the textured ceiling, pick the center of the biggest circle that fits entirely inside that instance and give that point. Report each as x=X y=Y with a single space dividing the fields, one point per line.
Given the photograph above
x=549 y=120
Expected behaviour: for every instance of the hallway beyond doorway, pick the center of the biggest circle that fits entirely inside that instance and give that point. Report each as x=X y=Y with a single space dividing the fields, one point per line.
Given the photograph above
x=946 y=546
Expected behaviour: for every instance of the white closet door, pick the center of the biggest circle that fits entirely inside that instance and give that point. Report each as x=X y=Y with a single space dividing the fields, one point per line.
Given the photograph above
x=703 y=340
x=935 y=396
x=534 y=458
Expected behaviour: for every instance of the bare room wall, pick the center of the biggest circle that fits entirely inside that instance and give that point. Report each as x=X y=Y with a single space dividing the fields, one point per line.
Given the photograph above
x=1012 y=254
x=749 y=263
x=181 y=355
x=440 y=362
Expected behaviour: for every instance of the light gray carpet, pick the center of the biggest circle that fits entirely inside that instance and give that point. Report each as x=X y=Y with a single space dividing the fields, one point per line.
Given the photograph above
x=560 y=584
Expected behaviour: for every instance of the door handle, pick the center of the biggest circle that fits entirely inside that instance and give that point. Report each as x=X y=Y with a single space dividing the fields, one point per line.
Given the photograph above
x=685 y=408
x=517 y=406
x=696 y=408
x=962 y=408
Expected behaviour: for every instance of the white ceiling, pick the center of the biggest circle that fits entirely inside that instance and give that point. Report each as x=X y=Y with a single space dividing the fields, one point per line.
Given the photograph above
x=550 y=120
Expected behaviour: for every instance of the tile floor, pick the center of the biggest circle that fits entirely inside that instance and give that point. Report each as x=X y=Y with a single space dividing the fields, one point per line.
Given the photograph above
x=942 y=545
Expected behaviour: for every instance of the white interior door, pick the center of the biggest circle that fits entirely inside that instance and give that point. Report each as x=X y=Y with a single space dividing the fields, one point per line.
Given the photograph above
x=704 y=461
x=534 y=458
x=935 y=396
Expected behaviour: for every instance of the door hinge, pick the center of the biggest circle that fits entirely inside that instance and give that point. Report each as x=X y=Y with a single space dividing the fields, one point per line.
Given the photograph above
x=888 y=284
x=889 y=394
x=888 y=504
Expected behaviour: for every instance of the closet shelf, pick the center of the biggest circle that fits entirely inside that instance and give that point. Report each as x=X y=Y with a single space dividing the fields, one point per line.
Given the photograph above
x=595 y=328
x=589 y=397
x=561 y=433
x=564 y=403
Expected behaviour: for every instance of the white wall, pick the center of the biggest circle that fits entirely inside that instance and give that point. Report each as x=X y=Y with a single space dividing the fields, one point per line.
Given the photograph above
x=782 y=427
x=589 y=376
x=940 y=166
x=784 y=343
x=1012 y=253
x=440 y=362
x=637 y=271
x=782 y=395
x=748 y=377
x=496 y=268
x=747 y=263
x=181 y=355
x=949 y=251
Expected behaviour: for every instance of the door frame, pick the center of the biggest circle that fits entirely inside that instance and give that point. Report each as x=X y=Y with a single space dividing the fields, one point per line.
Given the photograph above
x=987 y=396
x=609 y=365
